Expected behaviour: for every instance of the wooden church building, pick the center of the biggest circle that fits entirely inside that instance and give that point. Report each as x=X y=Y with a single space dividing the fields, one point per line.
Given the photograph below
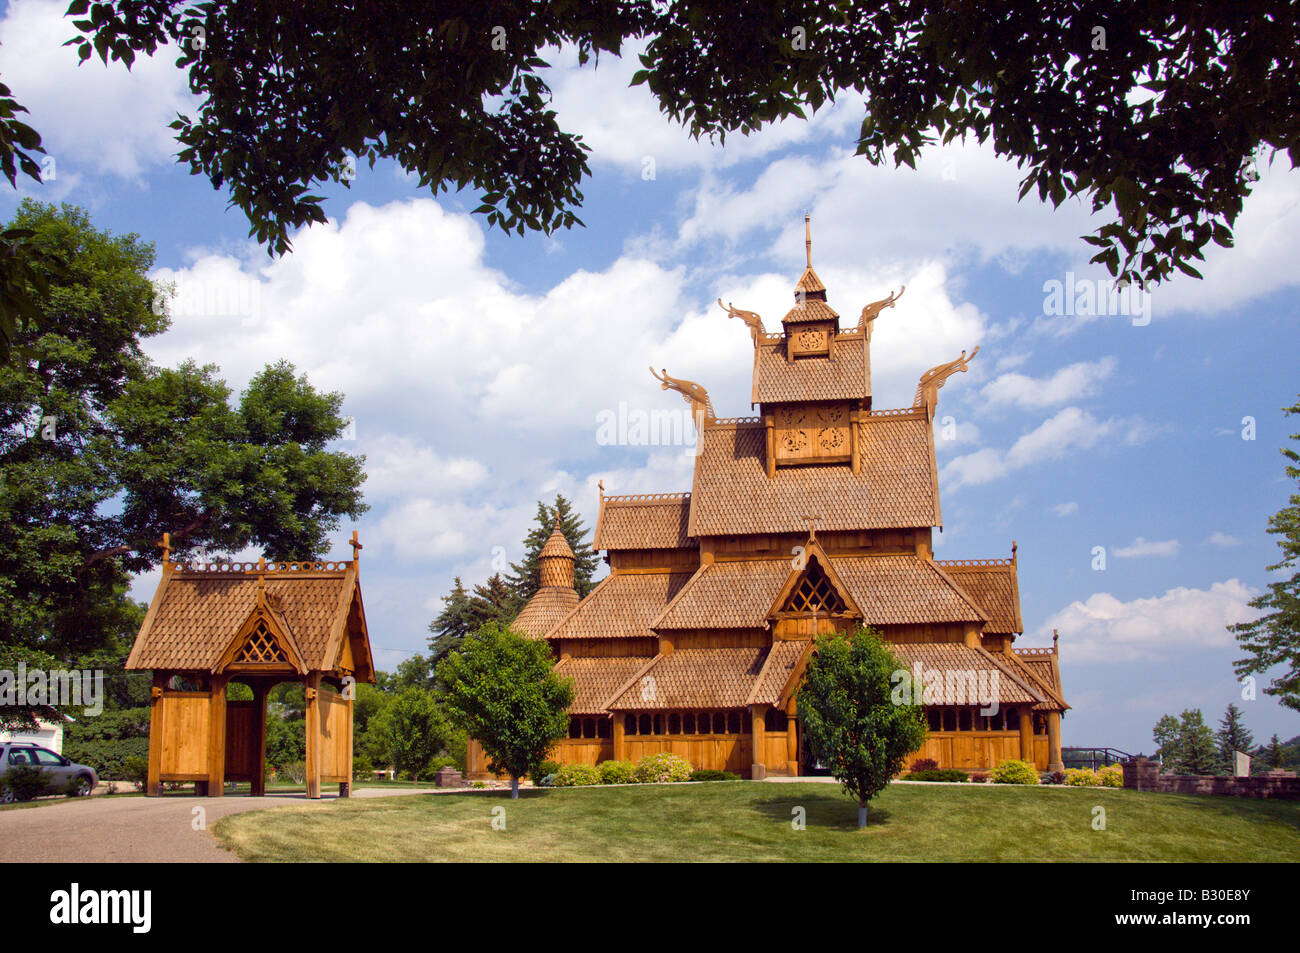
x=814 y=516
x=258 y=624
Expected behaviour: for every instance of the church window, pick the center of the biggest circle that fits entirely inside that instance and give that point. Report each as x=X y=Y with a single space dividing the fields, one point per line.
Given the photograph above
x=688 y=723
x=674 y=724
x=814 y=592
x=645 y=725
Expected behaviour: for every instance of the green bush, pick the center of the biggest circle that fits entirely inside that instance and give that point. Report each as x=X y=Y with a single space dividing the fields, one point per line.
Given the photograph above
x=708 y=774
x=617 y=772
x=136 y=770
x=1015 y=772
x=937 y=774
x=1082 y=778
x=25 y=783
x=924 y=764
x=576 y=775
x=661 y=767
x=545 y=768
x=1112 y=776
x=363 y=768
x=108 y=756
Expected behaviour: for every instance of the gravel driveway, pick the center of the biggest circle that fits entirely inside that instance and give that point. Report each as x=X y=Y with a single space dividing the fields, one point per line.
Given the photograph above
x=134 y=829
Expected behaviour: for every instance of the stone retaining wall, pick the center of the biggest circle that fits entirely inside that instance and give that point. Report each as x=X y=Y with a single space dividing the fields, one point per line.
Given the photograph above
x=1144 y=775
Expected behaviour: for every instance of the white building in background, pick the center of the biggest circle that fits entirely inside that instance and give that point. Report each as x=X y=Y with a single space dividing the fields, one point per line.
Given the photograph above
x=48 y=734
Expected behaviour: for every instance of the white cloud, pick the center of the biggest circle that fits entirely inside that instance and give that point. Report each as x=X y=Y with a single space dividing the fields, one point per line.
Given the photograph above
x=1147 y=547
x=1069 y=431
x=1104 y=629
x=1218 y=538
x=92 y=118
x=1067 y=384
x=1066 y=509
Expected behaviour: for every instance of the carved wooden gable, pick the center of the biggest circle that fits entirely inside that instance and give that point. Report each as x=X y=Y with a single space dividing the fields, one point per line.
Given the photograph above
x=812 y=433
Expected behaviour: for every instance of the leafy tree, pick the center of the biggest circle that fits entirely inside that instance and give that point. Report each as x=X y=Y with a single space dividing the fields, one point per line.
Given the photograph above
x=1274 y=638
x=413 y=672
x=410 y=731
x=501 y=690
x=101 y=452
x=286 y=736
x=524 y=576
x=848 y=718
x=368 y=704
x=1187 y=745
x=1233 y=735
x=1177 y=99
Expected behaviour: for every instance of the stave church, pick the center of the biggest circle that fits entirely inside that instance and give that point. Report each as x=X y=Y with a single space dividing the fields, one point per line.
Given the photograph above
x=813 y=517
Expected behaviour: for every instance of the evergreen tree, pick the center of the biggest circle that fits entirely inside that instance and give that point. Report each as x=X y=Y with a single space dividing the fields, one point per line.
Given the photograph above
x=1233 y=735
x=1275 y=754
x=523 y=578
x=1274 y=638
x=1200 y=754
x=453 y=623
x=493 y=601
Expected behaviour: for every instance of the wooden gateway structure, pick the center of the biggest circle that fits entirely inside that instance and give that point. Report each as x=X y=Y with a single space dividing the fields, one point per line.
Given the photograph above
x=812 y=517
x=260 y=624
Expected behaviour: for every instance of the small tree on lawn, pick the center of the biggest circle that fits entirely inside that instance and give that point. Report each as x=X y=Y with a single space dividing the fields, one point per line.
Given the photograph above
x=1232 y=736
x=501 y=689
x=850 y=722
x=411 y=731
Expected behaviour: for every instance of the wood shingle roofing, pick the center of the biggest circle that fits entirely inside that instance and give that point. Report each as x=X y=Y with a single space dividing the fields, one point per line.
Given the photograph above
x=548 y=606
x=694 y=678
x=959 y=659
x=810 y=309
x=196 y=613
x=622 y=606
x=596 y=679
x=845 y=375
x=897 y=486
x=1043 y=665
x=782 y=662
x=654 y=521
x=993 y=586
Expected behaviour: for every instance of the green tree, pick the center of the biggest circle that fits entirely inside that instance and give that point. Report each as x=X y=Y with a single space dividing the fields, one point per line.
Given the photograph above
x=457 y=95
x=1233 y=735
x=1188 y=745
x=493 y=601
x=524 y=576
x=502 y=690
x=410 y=731
x=452 y=624
x=1274 y=638
x=849 y=720
x=101 y=452
x=1168 y=739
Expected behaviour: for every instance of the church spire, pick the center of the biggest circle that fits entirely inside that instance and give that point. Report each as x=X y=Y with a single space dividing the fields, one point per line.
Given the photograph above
x=809 y=286
x=807 y=236
x=556 y=560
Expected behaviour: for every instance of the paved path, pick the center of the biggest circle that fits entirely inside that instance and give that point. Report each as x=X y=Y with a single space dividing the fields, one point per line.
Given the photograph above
x=135 y=829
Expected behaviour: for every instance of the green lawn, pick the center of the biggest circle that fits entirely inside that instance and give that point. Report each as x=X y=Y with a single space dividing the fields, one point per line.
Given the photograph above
x=751 y=821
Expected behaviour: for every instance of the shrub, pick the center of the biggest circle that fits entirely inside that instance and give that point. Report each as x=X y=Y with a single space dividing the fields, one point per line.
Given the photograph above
x=25 y=782
x=936 y=774
x=545 y=768
x=108 y=757
x=707 y=774
x=617 y=772
x=576 y=775
x=1112 y=776
x=980 y=777
x=924 y=764
x=136 y=770
x=1081 y=778
x=547 y=781
x=1011 y=771
x=295 y=771
x=362 y=768
x=661 y=767
x=1055 y=777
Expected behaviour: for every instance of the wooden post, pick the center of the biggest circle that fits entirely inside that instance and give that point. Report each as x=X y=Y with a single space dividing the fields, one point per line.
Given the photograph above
x=620 y=747
x=1054 y=762
x=217 y=735
x=311 y=692
x=1027 y=733
x=153 y=784
x=258 y=787
x=758 y=770
x=792 y=740
x=345 y=787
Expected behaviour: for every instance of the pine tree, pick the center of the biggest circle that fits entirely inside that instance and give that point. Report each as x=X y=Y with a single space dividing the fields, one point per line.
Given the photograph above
x=1199 y=753
x=493 y=601
x=453 y=623
x=523 y=577
x=1232 y=736
x=1274 y=638
x=1275 y=754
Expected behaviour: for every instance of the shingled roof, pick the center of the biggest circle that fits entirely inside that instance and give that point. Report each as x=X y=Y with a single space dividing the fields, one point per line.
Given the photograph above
x=548 y=606
x=595 y=680
x=845 y=375
x=622 y=606
x=1013 y=687
x=782 y=664
x=197 y=611
x=647 y=521
x=896 y=487
x=993 y=586
x=1043 y=665
x=694 y=678
x=810 y=309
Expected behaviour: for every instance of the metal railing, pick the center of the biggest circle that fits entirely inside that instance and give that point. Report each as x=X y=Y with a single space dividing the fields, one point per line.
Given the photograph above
x=1093 y=758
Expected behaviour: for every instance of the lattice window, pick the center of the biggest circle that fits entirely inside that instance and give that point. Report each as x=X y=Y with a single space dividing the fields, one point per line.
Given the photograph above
x=814 y=593
x=261 y=647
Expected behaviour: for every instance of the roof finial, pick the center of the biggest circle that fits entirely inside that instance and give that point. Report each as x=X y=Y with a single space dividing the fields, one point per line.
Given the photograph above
x=600 y=484
x=356 y=547
x=1056 y=637
x=166 y=547
x=555 y=526
x=1013 y=552
x=812 y=519
x=807 y=236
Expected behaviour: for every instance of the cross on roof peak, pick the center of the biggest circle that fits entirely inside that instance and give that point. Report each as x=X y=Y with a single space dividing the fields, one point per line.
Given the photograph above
x=812 y=519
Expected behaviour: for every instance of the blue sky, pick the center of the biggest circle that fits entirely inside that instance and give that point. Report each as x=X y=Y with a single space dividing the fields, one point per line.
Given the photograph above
x=476 y=364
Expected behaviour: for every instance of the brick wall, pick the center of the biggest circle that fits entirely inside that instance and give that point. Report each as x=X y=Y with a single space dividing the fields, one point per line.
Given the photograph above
x=1144 y=775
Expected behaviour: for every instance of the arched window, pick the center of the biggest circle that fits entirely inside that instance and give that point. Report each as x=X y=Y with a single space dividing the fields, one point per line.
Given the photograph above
x=688 y=723
x=589 y=727
x=629 y=724
x=733 y=722
x=604 y=728
x=575 y=727
x=949 y=719
x=645 y=725
x=719 y=723
x=964 y=719
x=674 y=724
x=934 y=719
x=659 y=724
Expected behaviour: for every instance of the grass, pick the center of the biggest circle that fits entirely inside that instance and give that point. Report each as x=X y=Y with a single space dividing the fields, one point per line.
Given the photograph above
x=751 y=821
